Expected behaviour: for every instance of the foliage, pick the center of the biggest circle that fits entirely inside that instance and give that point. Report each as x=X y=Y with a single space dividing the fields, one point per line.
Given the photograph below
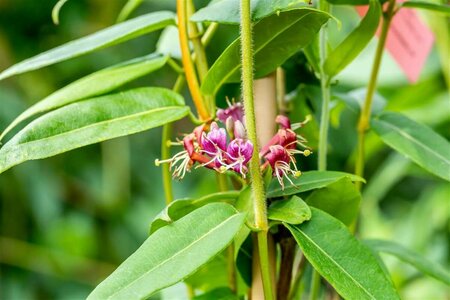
x=269 y=203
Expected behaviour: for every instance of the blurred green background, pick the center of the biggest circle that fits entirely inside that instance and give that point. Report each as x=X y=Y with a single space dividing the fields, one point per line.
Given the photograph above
x=68 y=221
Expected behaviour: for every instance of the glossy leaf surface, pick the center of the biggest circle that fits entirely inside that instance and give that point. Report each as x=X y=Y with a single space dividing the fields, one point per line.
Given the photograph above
x=343 y=261
x=340 y=199
x=92 y=121
x=292 y=211
x=227 y=11
x=416 y=141
x=101 y=39
x=442 y=8
x=181 y=207
x=308 y=181
x=172 y=253
x=94 y=84
x=276 y=38
x=355 y=42
x=411 y=257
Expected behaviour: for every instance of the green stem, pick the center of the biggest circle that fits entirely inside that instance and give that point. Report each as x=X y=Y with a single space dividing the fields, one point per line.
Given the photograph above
x=363 y=124
x=165 y=148
x=325 y=87
x=258 y=191
x=315 y=285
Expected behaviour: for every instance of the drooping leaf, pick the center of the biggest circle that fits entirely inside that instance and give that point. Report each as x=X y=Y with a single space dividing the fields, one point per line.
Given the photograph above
x=291 y=211
x=94 y=84
x=104 y=38
x=342 y=260
x=442 y=8
x=222 y=293
x=276 y=38
x=172 y=253
x=340 y=199
x=181 y=207
x=411 y=257
x=355 y=42
x=308 y=181
x=92 y=121
x=416 y=141
x=227 y=11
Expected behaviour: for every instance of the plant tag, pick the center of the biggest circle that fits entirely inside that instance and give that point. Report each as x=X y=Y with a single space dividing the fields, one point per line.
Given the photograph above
x=409 y=41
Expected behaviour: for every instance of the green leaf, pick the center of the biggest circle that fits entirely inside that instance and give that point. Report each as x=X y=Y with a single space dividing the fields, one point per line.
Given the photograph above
x=276 y=38
x=416 y=141
x=222 y=293
x=172 y=253
x=442 y=8
x=228 y=11
x=181 y=207
x=56 y=9
x=94 y=84
x=128 y=9
x=308 y=181
x=355 y=42
x=92 y=121
x=340 y=199
x=342 y=260
x=104 y=38
x=411 y=257
x=292 y=211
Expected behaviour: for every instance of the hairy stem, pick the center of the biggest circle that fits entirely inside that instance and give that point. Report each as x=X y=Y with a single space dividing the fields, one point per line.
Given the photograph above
x=191 y=76
x=363 y=124
x=258 y=192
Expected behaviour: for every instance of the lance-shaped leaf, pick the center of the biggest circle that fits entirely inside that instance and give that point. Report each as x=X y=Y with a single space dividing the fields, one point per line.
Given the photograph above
x=308 y=181
x=181 y=207
x=416 y=141
x=104 y=38
x=276 y=38
x=228 y=11
x=442 y=8
x=172 y=253
x=94 y=84
x=411 y=257
x=348 y=265
x=292 y=211
x=92 y=121
x=355 y=42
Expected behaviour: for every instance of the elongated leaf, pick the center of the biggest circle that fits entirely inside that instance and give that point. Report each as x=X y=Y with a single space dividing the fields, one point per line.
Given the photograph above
x=181 y=207
x=172 y=253
x=128 y=9
x=355 y=42
x=442 y=8
x=292 y=211
x=56 y=9
x=411 y=257
x=308 y=181
x=92 y=121
x=340 y=199
x=276 y=38
x=104 y=38
x=92 y=85
x=342 y=260
x=227 y=11
x=416 y=141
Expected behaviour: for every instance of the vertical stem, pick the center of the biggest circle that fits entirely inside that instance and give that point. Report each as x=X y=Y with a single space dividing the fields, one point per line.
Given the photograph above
x=255 y=171
x=364 y=118
x=165 y=148
x=188 y=65
x=324 y=122
x=325 y=87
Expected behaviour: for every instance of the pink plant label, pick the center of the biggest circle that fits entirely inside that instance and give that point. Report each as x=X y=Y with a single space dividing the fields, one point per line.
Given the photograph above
x=409 y=41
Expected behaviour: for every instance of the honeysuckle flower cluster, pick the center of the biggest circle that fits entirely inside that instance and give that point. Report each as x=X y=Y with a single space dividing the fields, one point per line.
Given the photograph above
x=223 y=146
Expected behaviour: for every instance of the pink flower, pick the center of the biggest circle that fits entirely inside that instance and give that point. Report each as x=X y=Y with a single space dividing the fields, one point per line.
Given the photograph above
x=239 y=152
x=235 y=111
x=280 y=160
